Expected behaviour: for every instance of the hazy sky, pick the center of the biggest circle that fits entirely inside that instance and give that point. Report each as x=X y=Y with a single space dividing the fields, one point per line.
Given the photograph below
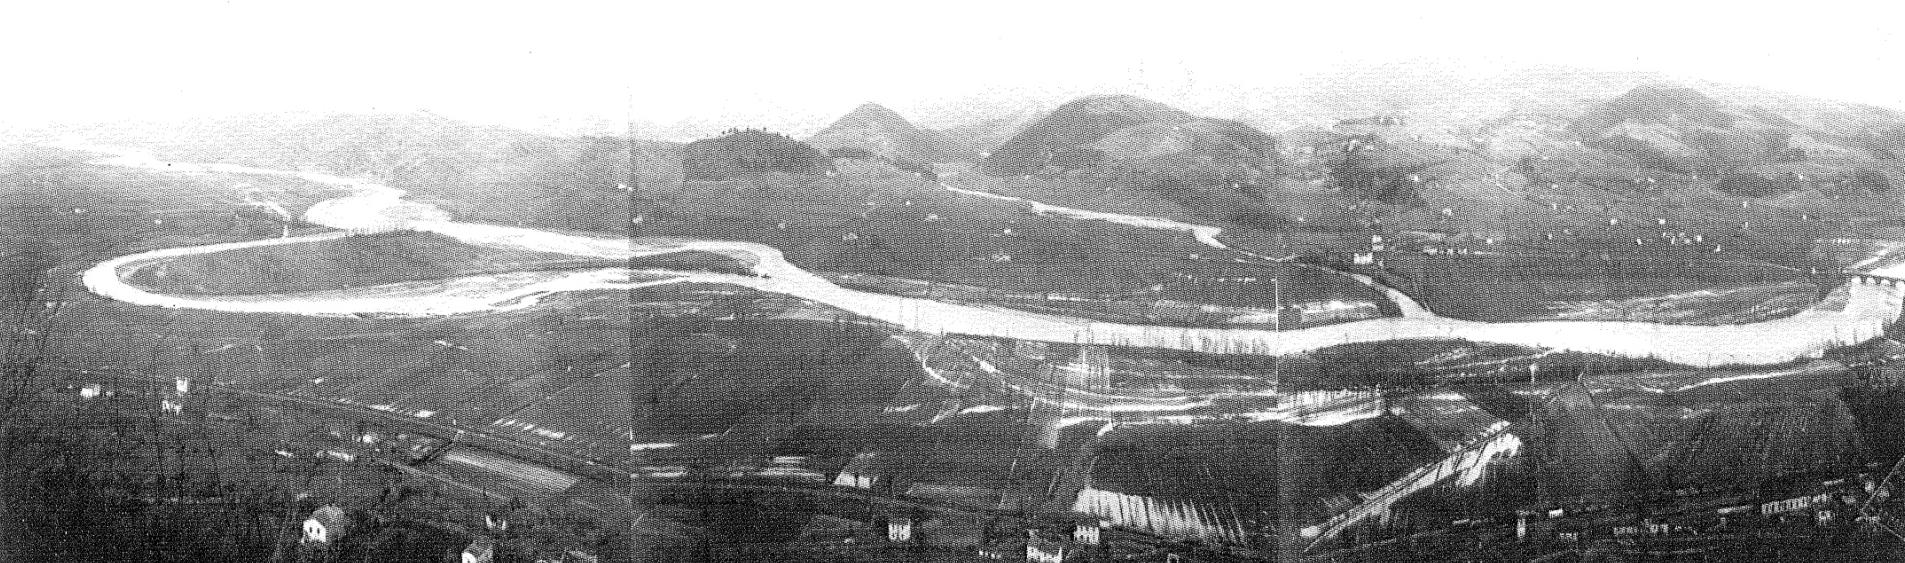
x=797 y=64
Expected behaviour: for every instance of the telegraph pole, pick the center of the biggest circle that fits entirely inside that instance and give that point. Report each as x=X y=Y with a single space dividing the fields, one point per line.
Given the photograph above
x=641 y=343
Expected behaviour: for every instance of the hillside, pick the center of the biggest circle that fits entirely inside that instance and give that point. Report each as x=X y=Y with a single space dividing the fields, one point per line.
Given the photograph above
x=885 y=133
x=1753 y=150
x=1593 y=177
x=1437 y=99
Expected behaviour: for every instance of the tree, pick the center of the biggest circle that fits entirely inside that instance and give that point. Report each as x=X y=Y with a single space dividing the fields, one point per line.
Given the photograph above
x=29 y=309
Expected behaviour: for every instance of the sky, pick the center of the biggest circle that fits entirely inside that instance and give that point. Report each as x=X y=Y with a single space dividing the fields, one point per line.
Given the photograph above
x=795 y=65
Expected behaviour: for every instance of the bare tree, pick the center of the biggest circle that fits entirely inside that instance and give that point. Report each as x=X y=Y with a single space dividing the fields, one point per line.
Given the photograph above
x=29 y=304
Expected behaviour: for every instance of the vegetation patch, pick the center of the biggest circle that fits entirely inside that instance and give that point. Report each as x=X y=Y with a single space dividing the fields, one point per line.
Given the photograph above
x=354 y=261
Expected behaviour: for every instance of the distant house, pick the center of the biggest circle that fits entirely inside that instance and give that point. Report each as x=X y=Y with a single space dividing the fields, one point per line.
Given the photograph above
x=861 y=473
x=1366 y=125
x=899 y=530
x=326 y=524
x=480 y=550
x=1043 y=550
x=1087 y=533
x=1306 y=141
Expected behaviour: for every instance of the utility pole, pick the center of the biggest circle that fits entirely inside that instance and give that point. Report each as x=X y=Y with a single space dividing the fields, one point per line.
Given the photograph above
x=1276 y=300
x=1276 y=324
x=641 y=343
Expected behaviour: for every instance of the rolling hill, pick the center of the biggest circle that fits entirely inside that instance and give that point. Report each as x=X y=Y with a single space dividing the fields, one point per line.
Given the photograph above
x=1132 y=153
x=1137 y=138
x=885 y=133
x=1754 y=150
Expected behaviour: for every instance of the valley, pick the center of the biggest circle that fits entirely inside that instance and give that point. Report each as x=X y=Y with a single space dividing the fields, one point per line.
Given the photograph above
x=1126 y=329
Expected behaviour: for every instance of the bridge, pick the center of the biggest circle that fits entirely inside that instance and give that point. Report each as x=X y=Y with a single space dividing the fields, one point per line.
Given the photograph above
x=1465 y=463
x=1868 y=278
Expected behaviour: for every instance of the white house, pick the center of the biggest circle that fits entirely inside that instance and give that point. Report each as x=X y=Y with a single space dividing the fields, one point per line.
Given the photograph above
x=326 y=524
x=899 y=530
x=481 y=550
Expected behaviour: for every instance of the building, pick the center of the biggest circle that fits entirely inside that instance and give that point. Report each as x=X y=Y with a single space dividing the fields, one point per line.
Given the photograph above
x=326 y=524
x=861 y=473
x=899 y=530
x=1043 y=550
x=481 y=550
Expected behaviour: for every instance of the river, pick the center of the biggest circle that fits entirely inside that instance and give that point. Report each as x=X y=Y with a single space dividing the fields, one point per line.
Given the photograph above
x=371 y=207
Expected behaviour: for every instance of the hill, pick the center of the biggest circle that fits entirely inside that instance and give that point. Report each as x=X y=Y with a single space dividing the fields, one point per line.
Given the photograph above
x=1216 y=168
x=883 y=132
x=745 y=153
x=1729 y=185
x=1134 y=135
x=1752 y=149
